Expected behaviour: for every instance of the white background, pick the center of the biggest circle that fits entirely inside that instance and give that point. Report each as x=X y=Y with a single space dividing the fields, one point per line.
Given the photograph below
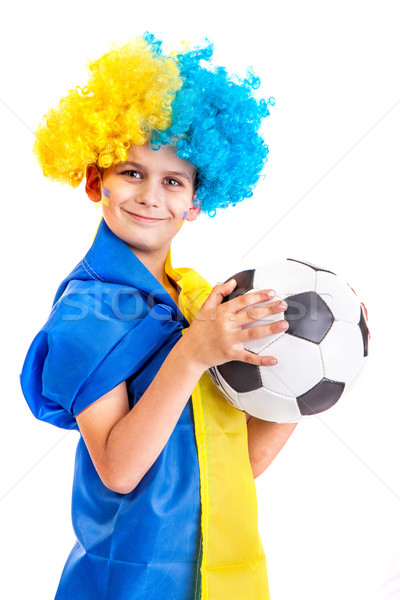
x=329 y=505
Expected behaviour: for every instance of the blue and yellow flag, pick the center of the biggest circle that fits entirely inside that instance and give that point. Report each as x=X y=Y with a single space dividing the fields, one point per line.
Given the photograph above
x=190 y=527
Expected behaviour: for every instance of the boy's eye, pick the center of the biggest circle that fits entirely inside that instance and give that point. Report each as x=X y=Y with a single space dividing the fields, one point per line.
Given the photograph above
x=175 y=181
x=130 y=171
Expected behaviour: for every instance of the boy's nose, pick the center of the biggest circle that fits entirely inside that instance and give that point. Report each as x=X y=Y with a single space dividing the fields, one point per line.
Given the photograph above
x=149 y=194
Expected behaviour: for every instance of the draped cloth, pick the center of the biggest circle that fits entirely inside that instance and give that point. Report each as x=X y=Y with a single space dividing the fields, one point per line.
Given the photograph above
x=190 y=527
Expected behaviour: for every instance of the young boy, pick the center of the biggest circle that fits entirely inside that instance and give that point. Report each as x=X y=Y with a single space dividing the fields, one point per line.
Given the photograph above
x=164 y=502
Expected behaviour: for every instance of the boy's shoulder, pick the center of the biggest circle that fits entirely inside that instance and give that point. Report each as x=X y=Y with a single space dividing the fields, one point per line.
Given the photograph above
x=97 y=335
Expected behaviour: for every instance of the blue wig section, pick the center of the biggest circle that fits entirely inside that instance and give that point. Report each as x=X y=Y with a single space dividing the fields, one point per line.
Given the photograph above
x=215 y=123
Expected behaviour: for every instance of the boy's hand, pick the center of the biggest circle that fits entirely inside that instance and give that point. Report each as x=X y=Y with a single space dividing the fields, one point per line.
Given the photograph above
x=216 y=335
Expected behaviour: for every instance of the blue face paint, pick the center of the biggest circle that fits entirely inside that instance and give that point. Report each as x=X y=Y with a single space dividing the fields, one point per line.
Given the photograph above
x=185 y=214
x=106 y=192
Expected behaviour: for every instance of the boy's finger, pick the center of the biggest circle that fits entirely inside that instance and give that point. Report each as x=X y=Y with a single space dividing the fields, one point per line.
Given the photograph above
x=256 y=359
x=219 y=292
x=254 y=333
x=241 y=302
x=260 y=313
x=365 y=309
x=366 y=316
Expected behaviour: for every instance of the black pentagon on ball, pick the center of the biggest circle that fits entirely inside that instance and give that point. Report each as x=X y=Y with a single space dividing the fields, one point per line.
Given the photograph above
x=244 y=283
x=241 y=376
x=309 y=317
x=311 y=265
x=320 y=397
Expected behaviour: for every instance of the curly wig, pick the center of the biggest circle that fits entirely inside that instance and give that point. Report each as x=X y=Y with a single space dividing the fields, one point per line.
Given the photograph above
x=137 y=94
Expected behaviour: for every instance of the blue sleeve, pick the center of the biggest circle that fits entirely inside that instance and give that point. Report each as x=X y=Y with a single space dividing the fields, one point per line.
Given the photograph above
x=83 y=352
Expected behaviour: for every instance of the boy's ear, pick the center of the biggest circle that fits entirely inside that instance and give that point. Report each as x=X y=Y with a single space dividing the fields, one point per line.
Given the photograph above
x=93 y=183
x=194 y=211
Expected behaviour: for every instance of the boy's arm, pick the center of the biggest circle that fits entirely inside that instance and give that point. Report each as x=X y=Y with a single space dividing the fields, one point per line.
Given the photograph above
x=124 y=444
x=265 y=441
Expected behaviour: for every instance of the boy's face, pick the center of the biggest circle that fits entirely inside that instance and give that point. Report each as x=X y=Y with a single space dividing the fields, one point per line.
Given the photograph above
x=150 y=183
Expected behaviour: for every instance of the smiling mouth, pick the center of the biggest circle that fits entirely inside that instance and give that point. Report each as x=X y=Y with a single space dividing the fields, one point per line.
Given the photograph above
x=142 y=219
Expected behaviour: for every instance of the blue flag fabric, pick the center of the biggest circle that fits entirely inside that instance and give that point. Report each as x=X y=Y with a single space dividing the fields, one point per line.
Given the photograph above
x=111 y=321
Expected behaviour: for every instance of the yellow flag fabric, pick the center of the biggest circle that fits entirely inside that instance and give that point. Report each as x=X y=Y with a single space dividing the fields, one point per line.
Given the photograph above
x=233 y=562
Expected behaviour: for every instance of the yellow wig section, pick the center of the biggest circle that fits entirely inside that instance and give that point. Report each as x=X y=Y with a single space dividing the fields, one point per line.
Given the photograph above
x=129 y=94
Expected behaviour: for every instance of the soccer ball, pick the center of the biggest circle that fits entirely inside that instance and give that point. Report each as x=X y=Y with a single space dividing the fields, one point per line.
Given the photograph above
x=318 y=355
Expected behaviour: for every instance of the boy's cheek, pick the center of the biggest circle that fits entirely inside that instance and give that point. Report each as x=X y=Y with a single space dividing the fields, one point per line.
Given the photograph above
x=181 y=222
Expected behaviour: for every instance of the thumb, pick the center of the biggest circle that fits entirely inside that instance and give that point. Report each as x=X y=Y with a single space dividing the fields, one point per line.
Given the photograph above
x=219 y=292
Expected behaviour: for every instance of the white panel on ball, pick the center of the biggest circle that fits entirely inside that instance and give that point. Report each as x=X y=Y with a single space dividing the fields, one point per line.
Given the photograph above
x=346 y=305
x=342 y=351
x=285 y=277
x=269 y=406
x=299 y=366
